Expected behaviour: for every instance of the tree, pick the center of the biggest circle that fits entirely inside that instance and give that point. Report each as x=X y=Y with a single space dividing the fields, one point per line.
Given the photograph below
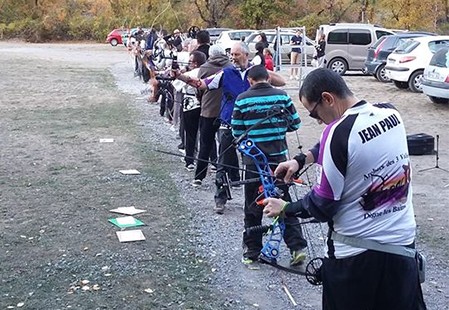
x=265 y=13
x=212 y=11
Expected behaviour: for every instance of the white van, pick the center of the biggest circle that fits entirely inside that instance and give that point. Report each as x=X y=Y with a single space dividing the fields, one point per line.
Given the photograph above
x=347 y=44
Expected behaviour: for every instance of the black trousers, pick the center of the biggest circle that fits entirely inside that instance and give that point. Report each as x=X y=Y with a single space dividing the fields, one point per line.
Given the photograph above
x=227 y=156
x=208 y=146
x=252 y=243
x=191 y=124
x=371 y=281
x=167 y=100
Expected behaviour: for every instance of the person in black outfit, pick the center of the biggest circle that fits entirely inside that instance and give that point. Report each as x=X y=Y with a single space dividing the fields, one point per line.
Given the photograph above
x=203 y=39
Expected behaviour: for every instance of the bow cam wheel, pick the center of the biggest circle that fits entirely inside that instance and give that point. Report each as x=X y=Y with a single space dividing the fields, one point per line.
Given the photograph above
x=193 y=31
x=313 y=271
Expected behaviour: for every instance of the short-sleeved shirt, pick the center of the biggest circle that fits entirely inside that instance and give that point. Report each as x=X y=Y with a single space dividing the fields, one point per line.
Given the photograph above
x=296 y=40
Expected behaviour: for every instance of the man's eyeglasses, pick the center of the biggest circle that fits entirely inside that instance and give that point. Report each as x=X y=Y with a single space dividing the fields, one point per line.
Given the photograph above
x=313 y=113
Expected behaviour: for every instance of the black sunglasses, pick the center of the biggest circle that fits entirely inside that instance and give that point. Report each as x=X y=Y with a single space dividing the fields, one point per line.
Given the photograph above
x=313 y=113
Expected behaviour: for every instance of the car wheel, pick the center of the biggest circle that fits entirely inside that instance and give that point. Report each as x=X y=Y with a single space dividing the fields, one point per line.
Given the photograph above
x=338 y=65
x=414 y=83
x=114 y=42
x=400 y=85
x=438 y=100
x=380 y=74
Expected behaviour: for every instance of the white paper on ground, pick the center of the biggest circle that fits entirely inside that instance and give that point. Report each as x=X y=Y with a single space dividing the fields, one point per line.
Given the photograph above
x=126 y=220
x=106 y=140
x=127 y=210
x=129 y=171
x=130 y=235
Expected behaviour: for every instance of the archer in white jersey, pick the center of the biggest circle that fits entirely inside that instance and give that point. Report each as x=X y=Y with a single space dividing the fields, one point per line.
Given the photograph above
x=364 y=193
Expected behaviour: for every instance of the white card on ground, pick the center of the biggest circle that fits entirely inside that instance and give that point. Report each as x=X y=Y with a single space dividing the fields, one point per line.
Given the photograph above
x=127 y=210
x=129 y=171
x=130 y=235
x=106 y=140
x=126 y=220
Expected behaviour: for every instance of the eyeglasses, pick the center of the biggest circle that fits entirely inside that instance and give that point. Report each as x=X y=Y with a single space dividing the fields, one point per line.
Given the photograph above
x=313 y=113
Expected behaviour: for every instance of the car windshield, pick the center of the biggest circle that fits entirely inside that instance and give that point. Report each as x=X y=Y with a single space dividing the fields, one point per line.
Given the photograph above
x=406 y=47
x=441 y=58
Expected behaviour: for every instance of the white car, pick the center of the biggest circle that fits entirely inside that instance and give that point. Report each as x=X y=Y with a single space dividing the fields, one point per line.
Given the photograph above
x=227 y=38
x=286 y=48
x=435 y=82
x=405 y=66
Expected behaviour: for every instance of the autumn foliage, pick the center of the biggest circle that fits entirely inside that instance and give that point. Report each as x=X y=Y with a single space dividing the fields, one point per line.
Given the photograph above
x=50 y=20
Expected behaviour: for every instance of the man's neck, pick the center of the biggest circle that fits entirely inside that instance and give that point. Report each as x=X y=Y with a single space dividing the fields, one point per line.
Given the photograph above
x=254 y=83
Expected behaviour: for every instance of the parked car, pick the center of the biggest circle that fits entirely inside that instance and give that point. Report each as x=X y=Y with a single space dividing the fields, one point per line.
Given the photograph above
x=285 y=46
x=378 y=52
x=405 y=66
x=435 y=81
x=115 y=37
x=347 y=44
x=228 y=37
x=214 y=33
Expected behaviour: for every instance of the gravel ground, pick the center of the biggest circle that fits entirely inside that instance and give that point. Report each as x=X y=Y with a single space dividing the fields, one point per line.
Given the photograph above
x=75 y=217
x=219 y=236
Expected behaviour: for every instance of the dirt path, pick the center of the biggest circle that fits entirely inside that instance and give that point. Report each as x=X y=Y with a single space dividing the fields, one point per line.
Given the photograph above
x=57 y=183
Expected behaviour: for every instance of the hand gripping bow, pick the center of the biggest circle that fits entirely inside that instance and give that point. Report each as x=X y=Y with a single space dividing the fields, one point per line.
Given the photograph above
x=275 y=231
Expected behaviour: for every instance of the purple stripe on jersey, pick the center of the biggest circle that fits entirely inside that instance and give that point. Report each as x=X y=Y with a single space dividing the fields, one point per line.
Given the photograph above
x=324 y=189
x=213 y=81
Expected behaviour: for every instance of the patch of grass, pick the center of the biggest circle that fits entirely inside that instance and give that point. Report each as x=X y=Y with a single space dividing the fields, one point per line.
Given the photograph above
x=73 y=203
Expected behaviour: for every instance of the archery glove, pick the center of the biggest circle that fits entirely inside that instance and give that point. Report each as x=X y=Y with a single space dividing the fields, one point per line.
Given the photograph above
x=301 y=160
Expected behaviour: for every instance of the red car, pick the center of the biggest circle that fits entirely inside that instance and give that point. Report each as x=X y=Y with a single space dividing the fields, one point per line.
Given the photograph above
x=115 y=37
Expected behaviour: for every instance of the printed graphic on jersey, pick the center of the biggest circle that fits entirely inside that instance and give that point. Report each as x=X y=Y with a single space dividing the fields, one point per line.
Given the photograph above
x=387 y=190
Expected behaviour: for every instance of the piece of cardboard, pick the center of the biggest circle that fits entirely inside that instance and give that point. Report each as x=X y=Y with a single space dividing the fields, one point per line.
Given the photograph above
x=130 y=172
x=126 y=221
x=127 y=210
x=130 y=235
x=106 y=140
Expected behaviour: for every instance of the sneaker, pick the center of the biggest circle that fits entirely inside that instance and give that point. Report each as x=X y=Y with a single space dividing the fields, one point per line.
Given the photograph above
x=197 y=183
x=190 y=167
x=298 y=258
x=297 y=77
x=219 y=208
x=248 y=261
x=292 y=77
x=238 y=185
x=213 y=169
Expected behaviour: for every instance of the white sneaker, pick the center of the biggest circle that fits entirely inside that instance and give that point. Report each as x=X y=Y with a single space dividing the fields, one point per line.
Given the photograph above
x=197 y=183
x=292 y=77
x=190 y=167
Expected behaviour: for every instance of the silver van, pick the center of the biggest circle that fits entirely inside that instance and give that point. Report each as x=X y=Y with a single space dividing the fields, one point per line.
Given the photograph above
x=347 y=44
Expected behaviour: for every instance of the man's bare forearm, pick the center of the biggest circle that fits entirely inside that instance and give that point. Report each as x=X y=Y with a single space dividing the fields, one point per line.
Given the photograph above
x=192 y=81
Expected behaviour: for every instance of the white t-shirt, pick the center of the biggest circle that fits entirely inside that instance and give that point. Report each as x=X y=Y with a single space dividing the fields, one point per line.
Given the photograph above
x=190 y=101
x=364 y=165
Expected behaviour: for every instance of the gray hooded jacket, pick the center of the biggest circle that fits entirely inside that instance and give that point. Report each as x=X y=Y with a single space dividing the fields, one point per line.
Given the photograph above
x=211 y=99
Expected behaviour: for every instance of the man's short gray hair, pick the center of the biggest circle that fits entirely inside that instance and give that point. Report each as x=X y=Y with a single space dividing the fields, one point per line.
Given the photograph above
x=216 y=50
x=243 y=47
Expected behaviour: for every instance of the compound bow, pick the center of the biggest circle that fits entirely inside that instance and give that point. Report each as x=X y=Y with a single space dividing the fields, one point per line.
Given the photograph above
x=275 y=231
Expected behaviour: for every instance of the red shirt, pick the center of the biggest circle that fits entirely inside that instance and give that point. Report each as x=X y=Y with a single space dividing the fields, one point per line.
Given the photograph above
x=269 y=62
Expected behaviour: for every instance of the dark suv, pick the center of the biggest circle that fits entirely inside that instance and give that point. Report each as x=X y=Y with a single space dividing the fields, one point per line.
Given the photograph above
x=379 y=51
